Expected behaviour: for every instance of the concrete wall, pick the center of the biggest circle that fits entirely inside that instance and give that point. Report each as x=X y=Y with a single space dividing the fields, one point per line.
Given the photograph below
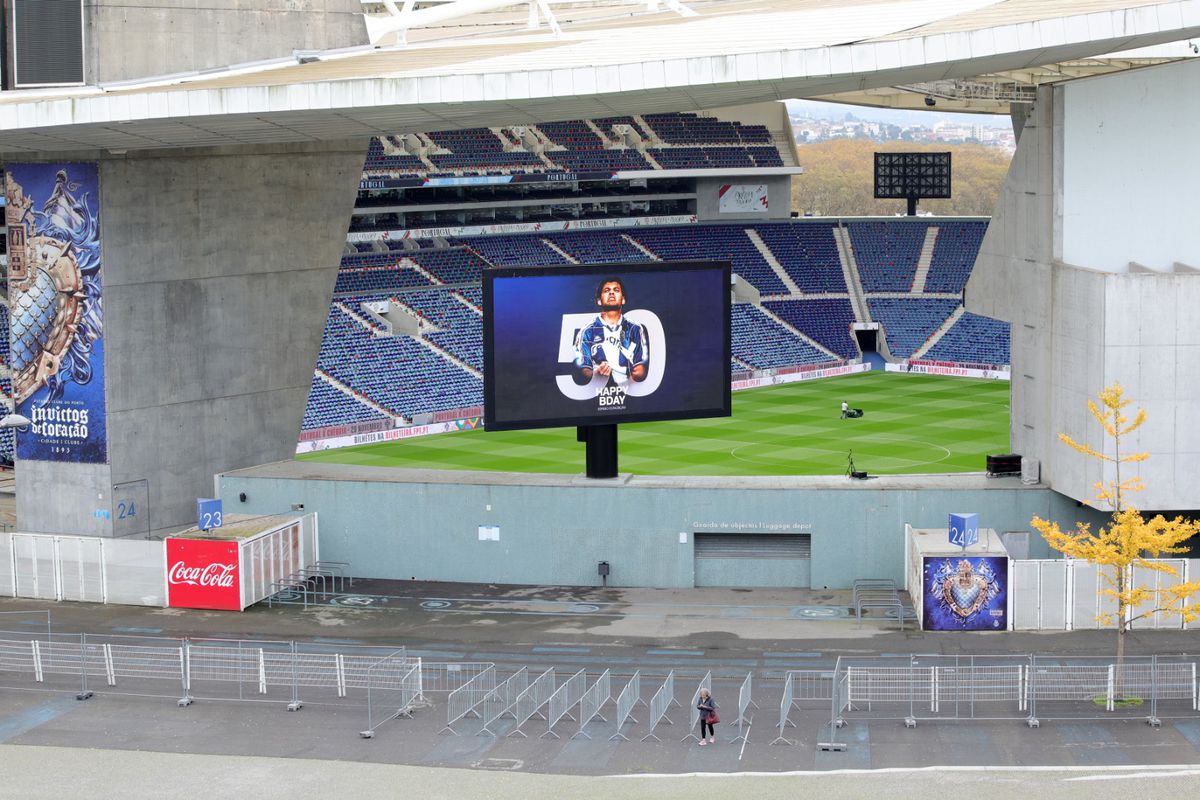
x=779 y=198
x=1129 y=168
x=218 y=272
x=554 y=529
x=184 y=36
x=1077 y=328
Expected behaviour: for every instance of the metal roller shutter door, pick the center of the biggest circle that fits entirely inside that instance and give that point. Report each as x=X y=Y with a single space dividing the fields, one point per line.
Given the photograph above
x=753 y=559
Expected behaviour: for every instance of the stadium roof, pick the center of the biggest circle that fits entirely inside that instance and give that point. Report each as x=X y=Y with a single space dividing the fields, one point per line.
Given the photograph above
x=483 y=65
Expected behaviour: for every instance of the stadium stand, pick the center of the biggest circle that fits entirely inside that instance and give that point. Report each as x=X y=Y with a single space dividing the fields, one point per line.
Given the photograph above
x=450 y=265
x=379 y=279
x=722 y=242
x=522 y=250
x=954 y=255
x=682 y=141
x=702 y=157
x=606 y=124
x=825 y=320
x=886 y=253
x=686 y=128
x=378 y=160
x=480 y=151
x=572 y=134
x=596 y=247
x=976 y=339
x=763 y=343
x=408 y=376
x=395 y=372
x=909 y=322
x=808 y=253
x=459 y=328
x=329 y=406
x=598 y=160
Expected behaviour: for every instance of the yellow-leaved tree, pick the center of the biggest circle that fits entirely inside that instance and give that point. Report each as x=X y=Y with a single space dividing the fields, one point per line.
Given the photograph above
x=1130 y=540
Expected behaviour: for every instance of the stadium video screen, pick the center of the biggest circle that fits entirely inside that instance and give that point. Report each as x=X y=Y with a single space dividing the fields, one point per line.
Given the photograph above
x=600 y=344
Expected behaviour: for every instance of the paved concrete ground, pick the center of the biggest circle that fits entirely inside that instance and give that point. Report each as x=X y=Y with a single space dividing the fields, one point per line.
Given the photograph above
x=731 y=632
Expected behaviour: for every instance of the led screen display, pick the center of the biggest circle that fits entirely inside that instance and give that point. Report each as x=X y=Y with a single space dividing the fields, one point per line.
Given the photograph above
x=601 y=344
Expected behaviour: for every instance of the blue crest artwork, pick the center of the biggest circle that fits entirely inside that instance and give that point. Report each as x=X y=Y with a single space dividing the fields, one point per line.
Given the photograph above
x=56 y=316
x=964 y=593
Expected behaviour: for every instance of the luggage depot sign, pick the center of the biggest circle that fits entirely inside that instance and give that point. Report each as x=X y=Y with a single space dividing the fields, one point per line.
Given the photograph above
x=203 y=574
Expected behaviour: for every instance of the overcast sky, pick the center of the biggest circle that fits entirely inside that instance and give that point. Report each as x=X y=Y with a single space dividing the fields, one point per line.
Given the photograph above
x=836 y=111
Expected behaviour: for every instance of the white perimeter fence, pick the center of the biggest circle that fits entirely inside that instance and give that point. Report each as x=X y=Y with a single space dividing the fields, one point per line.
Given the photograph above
x=383 y=680
x=1016 y=687
x=1061 y=595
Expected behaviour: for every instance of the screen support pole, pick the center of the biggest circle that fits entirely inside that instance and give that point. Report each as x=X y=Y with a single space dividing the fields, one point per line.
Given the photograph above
x=601 y=441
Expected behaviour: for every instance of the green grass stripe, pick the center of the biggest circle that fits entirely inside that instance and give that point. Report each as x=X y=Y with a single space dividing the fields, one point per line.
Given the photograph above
x=914 y=424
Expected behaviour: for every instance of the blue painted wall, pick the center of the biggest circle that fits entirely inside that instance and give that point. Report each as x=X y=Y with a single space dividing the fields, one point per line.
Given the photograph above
x=555 y=530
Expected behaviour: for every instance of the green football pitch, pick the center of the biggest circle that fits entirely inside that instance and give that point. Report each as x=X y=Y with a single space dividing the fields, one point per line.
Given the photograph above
x=912 y=424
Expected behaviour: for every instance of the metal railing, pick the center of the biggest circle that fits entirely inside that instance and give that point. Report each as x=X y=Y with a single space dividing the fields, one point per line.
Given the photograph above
x=785 y=710
x=565 y=698
x=530 y=701
x=1020 y=687
x=660 y=703
x=505 y=698
x=629 y=697
x=595 y=698
x=463 y=701
x=446 y=676
x=393 y=685
x=694 y=715
x=877 y=593
x=745 y=700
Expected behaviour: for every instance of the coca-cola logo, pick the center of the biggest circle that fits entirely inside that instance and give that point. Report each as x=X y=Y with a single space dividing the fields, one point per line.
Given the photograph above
x=219 y=575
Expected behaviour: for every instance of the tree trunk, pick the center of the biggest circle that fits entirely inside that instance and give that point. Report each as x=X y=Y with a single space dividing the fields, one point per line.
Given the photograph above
x=1122 y=613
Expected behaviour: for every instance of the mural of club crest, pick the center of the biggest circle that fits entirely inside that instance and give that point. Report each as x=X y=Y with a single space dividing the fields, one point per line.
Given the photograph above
x=55 y=308
x=965 y=593
x=966 y=590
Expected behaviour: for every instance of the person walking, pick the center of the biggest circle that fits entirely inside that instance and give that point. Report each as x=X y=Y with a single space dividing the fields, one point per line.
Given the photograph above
x=708 y=717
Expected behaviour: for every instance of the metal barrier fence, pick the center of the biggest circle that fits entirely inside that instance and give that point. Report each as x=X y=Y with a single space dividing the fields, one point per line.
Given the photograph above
x=530 y=701
x=187 y=670
x=663 y=699
x=446 y=676
x=1018 y=687
x=393 y=686
x=595 y=698
x=785 y=709
x=463 y=701
x=745 y=700
x=565 y=698
x=694 y=716
x=629 y=697
x=505 y=698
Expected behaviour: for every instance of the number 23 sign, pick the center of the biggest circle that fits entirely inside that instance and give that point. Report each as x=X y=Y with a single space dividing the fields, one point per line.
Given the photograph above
x=208 y=513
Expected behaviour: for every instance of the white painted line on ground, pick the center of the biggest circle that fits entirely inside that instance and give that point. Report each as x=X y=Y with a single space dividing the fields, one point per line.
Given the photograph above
x=1150 y=769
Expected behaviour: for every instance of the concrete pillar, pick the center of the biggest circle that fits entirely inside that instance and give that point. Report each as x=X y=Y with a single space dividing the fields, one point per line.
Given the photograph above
x=218 y=269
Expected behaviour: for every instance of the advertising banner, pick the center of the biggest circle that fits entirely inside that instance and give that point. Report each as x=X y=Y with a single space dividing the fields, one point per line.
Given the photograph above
x=554 y=226
x=965 y=593
x=203 y=574
x=55 y=313
x=960 y=372
x=742 y=198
